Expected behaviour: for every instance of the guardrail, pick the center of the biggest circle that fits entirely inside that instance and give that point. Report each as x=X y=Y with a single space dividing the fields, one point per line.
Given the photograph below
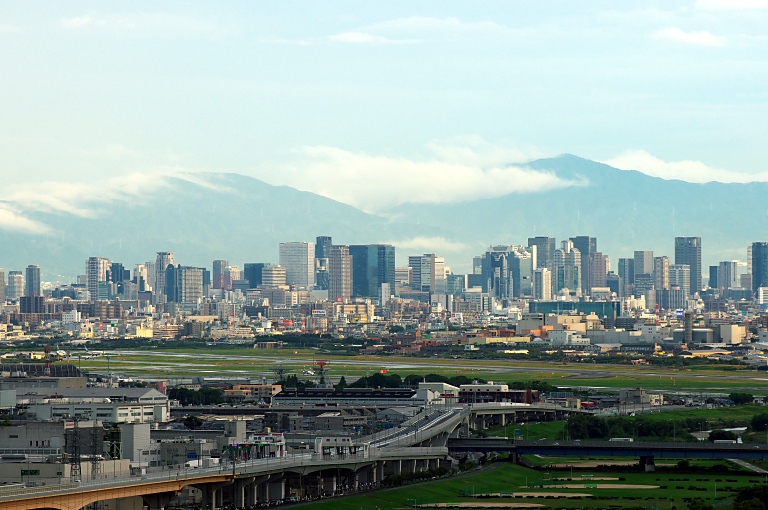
x=252 y=466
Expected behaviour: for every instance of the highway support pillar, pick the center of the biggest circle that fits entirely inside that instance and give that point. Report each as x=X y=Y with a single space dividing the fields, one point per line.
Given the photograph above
x=158 y=501
x=276 y=487
x=238 y=488
x=647 y=464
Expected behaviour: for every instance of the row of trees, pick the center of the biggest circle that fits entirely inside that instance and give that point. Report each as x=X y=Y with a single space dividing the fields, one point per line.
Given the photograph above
x=588 y=426
x=203 y=396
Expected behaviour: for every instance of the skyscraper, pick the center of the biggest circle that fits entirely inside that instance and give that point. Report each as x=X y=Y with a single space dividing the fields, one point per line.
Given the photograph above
x=661 y=272
x=497 y=271
x=96 y=273
x=273 y=275
x=15 y=285
x=184 y=284
x=298 y=259
x=759 y=265
x=586 y=246
x=32 y=281
x=680 y=276
x=339 y=273
x=599 y=265
x=164 y=259
x=626 y=273
x=545 y=250
x=423 y=272
x=688 y=251
x=566 y=273
x=323 y=246
x=643 y=262
x=219 y=276
x=252 y=273
x=542 y=284
x=728 y=275
x=372 y=265
x=2 y=287
x=119 y=272
x=141 y=277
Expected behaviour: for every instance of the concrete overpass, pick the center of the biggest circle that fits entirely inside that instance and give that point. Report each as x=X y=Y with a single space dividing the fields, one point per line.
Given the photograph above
x=243 y=483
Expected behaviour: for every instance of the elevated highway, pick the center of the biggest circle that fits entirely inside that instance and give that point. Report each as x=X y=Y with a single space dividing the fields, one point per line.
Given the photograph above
x=646 y=452
x=247 y=482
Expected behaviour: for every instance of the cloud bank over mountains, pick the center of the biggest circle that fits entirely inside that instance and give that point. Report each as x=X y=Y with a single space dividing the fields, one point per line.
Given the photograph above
x=450 y=171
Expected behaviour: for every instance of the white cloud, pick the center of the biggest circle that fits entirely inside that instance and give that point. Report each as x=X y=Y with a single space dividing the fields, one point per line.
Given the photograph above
x=156 y=24
x=76 y=22
x=424 y=24
x=82 y=199
x=366 y=38
x=474 y=150
x=429 y=244
x=731 y=5
x=10 y=220
x=677 y=35
x=686 y=170
x=374 y=183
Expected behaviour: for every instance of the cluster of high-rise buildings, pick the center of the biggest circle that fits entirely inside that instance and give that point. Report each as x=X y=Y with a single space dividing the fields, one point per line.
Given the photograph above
x=310 y=277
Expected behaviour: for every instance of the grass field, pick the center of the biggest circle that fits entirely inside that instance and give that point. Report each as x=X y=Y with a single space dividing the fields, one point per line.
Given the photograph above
x=671 y=493
x=261 y=363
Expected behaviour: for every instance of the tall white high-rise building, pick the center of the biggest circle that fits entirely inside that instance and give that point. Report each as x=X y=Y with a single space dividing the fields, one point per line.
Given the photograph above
x=141 y=275
x=164 y=259
x=339 y=273
x=96 y=272
x=298 y=259
x=2 y=286
x=680 y=276
x=190 y=285
x=15 y=285
x=542 y=284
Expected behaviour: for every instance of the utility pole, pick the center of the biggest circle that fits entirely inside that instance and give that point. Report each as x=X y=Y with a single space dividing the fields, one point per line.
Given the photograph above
x=74 y=456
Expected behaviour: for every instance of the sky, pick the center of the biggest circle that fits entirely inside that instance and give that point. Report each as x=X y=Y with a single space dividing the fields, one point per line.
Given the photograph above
x=367 y=102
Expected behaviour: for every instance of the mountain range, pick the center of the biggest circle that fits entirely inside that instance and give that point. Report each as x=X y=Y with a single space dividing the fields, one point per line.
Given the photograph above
x=242 y=219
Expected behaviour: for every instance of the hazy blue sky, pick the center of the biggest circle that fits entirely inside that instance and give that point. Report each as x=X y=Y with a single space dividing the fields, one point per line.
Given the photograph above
x=323 y=96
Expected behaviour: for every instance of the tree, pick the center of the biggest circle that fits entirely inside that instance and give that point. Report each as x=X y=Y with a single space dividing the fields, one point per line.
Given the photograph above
x=739 y=398
x=699 y=504
x=749 y=504
x=759 y=422
x=342 y=384
x=192 y=422
x=721 y=435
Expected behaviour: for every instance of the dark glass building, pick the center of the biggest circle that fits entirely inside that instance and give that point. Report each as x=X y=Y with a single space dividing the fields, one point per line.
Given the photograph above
x=759 y=265
x=252 y=273
x=688 y=251
x=372 y=265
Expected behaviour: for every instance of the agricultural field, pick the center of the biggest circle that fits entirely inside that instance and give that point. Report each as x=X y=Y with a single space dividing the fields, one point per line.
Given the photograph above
x=503 y=484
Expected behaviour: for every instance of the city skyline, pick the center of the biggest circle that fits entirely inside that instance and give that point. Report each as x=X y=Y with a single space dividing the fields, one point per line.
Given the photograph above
x=375 y=264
